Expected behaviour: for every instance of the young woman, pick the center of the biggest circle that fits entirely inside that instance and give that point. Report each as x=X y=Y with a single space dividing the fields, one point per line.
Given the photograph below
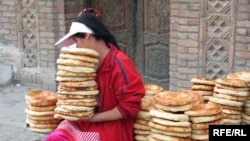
x=120 y=85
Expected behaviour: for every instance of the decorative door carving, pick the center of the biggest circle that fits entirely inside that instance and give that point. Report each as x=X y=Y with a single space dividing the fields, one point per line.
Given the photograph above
x=219 y=38
x=28 y=31
x=142 y=29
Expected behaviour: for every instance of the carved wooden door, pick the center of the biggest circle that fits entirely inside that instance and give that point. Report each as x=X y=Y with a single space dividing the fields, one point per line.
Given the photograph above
x=142 y=30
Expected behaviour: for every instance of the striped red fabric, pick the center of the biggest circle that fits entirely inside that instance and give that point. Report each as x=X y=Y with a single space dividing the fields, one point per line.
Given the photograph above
x=76 y=133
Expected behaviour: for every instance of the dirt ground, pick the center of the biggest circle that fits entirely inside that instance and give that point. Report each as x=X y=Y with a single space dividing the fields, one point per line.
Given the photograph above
x=12 y=114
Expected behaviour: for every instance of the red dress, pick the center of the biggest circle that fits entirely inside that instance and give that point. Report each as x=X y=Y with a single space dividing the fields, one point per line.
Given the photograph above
x=120 y=86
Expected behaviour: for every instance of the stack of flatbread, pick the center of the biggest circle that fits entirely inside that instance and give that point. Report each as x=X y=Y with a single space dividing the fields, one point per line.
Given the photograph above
x=168 y=121
x=245 y=115
x=197 y=98
x=40 y=105
x=230 y=94
x=201 y=116
x=204 y=86
x=243 y=75
x=141 y=127
x=77 y=88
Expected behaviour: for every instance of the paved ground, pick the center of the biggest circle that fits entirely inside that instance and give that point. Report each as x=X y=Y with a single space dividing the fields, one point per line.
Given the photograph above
x=12 y=114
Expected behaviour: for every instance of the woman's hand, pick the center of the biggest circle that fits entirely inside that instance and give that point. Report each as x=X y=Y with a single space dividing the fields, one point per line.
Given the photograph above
x=113 y=114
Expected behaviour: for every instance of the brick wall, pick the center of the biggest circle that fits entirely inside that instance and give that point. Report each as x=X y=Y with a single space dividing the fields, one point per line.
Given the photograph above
x=184 y=42
x=188 y=30
x=194 y=38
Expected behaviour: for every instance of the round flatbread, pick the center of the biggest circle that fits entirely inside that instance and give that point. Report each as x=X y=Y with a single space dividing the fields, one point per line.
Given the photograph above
x=41 y=109
x=204 y=109
x=172 y=98
x=44 y=121
x=231 y=116
x=205 y=125
x=150 y=138
x=230 y=111
x=75 y=108
x=169 y=128
x=140 y=137
x=141 y=126
x=204 y=93
x=171 y=123
x=203 y=81
x=200 y=131
x=245 y=116
x=77 y=100
x=80 y=51
x=169 y=137
x=197 y=98
x=231 y=121
x=50 y=117
x=229 y=97
x=231 y=88
x=94 y=92
x=152 y=89
x=42 y=125
x=79 y=57
x=74 y=113
x=42 y=113
x=88 y=104
x=41 y=98
x=89 y=83
x=199 y=136
x=74 y=96
x=243 y=75
x=228 y=107
x=202 y=87
x=199 y=119
x=73 y=89
x=173 y=108
x=41 y=130
x=231 y=82
x=147 y=103
x=71 y=118
x=167 y=115
x=76 y=69
x=72 y=62
x=64 y=73
x=141 y=121
x=231 y=92
x=144 y=115
x=225 y=101
x=69 y=78
x=170 y=133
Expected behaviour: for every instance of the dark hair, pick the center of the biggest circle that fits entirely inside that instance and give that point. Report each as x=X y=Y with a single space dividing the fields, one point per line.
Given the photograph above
x=99 y=29
x=80 y=35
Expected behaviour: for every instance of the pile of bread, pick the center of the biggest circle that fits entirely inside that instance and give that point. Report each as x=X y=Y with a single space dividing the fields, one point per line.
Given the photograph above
x=141 y=126
x=77 y=88
x=203 y=86
x=40 y=106
x=186 y=114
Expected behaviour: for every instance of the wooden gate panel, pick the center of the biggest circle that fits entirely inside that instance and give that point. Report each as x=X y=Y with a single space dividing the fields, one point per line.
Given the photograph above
x=142 y=30
x=156 y=42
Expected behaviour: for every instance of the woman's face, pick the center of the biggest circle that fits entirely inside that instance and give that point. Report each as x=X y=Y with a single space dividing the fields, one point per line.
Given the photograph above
x=82 y=42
